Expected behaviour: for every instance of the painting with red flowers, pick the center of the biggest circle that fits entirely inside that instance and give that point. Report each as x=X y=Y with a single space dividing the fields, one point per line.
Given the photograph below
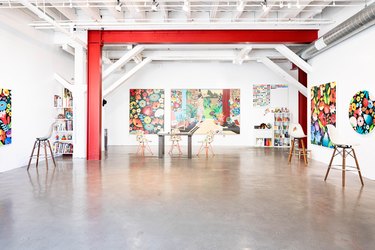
x=146 y=111
x=5 y=117
x=361 y=112
x=323 y=112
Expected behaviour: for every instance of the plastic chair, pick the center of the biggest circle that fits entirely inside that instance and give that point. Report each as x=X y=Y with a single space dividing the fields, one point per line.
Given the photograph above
x=44 y=142
x=143 y=143
x=207 y=143
x=344 y=148
x=296 y=133
x=175 y=139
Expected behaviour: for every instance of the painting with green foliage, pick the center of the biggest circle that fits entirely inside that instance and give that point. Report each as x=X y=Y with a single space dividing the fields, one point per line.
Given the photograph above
x=191 y=106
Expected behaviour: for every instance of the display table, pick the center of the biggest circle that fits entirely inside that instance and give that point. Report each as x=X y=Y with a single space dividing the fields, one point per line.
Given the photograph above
x=162 y=136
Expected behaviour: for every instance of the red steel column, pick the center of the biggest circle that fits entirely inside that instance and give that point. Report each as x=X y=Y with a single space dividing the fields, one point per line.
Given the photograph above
x=302 y=103
x=94 y=95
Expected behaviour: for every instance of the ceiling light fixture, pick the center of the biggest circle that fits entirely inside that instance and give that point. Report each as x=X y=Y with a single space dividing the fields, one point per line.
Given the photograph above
x=154 y=6
x=281 y=4
x=297 y=4
x=264 y=5
x=186 y=6
x=289 y=5
x=118 y=6
x=241 y=5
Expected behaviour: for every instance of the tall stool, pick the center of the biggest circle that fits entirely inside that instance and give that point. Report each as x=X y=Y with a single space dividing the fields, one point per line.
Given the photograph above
x=343 y=148
x=296 y=134
x=206 y=143
x=44 y=143
x=175 y=139
x=143 y=143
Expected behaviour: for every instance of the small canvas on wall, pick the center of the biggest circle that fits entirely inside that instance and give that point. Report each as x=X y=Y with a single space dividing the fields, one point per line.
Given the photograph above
x=361 y=112
x=146 y=111
x=323 y=112
x=5 y=117
x=191 y=106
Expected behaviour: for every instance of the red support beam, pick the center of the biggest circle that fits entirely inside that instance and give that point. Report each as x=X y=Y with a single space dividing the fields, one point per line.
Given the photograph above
x=96 y=39
x=209 y=36
x=94 y=95
x=302 y=103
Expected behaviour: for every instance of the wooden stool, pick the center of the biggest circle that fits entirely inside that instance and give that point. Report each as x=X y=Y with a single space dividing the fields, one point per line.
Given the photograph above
x=296 y=133
x=206 y=143
x=304 y=153
x=343 y=148
x=175 y=139
x=45 y=143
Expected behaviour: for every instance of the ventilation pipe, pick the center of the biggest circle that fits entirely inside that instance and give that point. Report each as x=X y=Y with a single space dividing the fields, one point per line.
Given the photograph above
x=357 y=23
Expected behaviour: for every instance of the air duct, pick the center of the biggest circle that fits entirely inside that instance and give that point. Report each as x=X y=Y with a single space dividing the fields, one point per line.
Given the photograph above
x=357 y=23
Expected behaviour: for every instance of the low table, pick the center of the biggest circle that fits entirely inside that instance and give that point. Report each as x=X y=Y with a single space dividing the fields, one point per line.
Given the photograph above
x=162 y=136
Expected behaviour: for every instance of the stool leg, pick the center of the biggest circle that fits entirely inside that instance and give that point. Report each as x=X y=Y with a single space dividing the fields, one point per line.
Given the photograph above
x=200 y=149
x=359 y=170
x=45 y=153
x=31 y=156
x=304 y=151
x=206 y=147
x=37 y=157
x=330 y=163
x=50 y=149
x=291 y=151
x=343 y=166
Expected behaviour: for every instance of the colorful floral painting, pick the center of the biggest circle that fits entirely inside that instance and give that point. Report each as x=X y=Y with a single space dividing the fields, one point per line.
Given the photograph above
x=323 y=112
x=191 y=106
x=261 y=95
x=5 y=117
x=361 y=112
x=146 y=110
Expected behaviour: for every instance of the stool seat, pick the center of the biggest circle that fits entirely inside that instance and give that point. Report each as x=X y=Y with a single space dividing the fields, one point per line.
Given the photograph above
x=296 y=133
x=42 y=138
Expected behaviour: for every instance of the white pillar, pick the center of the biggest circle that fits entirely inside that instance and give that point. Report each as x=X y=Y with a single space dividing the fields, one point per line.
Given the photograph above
x=79 y=97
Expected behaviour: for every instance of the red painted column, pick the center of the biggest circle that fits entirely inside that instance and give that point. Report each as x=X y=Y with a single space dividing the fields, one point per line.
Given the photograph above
x=302 y=103
x=94 y=95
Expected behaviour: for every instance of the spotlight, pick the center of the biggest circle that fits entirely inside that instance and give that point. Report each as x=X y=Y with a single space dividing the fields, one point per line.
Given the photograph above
x=154 y=6
x=281 y=4
x=241 y=6
x=264 y=5
x=186 y=6
x=289 y=5
x=298 y=5
x=118 y=6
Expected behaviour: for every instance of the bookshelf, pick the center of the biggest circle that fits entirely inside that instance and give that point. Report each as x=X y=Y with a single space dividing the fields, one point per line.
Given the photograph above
x=63 y=128
x=281 y=129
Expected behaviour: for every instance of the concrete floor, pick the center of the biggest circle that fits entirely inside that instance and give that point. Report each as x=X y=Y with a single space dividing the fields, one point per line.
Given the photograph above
x=241 y=199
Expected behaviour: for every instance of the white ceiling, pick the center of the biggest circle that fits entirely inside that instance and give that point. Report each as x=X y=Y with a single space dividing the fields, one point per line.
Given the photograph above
x=185 y=14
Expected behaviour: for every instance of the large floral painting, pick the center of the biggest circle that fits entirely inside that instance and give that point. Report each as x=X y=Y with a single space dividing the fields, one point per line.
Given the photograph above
x=361 y=112
x=146 y=110
x=323 y=112
x=191 y=106
x=5 y=117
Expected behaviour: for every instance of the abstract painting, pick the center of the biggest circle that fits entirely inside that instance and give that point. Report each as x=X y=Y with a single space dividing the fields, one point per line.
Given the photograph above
x=191 y=106
x=146 y=110
x=5 y=117
x=361 y=112
x=323 y=112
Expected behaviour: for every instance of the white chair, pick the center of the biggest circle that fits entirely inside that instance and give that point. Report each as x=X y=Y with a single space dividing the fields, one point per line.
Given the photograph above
x=296 y=133
x=143 y=143
x=206 y=143
x=44 y=142
x=344 y=148
x=175 y=139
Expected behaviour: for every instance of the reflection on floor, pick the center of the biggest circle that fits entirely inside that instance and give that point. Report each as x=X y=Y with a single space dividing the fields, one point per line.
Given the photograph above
x=242 y=198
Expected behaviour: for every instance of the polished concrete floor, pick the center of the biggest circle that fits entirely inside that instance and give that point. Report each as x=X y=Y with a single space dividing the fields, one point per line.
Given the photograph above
x=243 y=198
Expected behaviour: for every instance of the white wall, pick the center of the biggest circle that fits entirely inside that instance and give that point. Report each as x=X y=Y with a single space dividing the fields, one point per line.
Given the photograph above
x=351 y=64
x=28 y=61
x=169 y=75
